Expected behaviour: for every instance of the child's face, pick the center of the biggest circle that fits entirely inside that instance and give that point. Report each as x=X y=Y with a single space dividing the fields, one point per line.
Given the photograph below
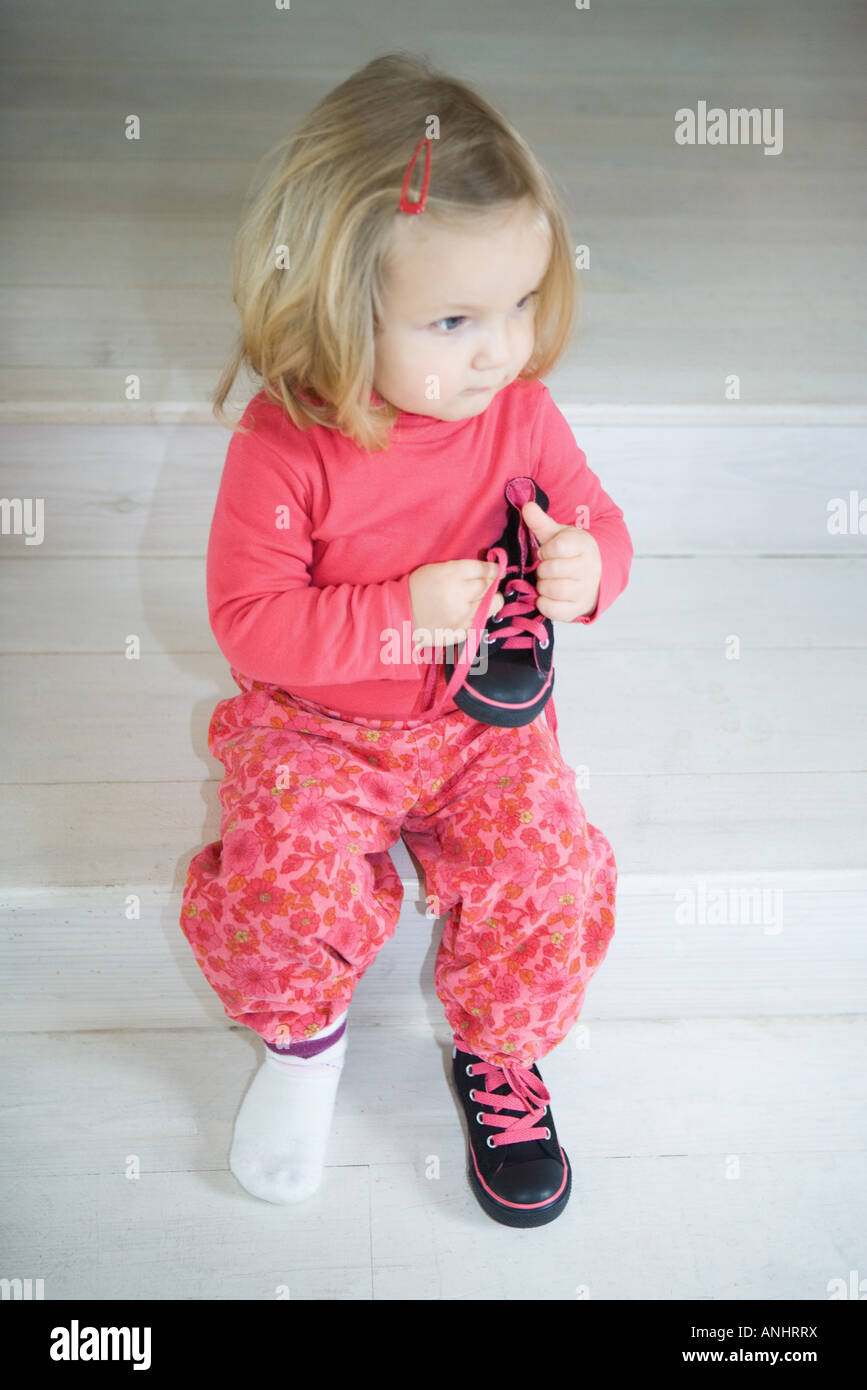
x=458 y=307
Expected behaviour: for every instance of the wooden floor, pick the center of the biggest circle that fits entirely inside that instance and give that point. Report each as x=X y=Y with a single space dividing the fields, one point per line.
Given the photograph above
x=712 y=1100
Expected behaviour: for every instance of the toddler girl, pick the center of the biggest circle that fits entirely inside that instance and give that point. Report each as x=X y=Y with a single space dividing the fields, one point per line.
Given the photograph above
x=404 y=278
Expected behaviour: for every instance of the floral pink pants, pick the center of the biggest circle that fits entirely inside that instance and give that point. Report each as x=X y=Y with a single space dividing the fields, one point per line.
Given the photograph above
x=287 y=911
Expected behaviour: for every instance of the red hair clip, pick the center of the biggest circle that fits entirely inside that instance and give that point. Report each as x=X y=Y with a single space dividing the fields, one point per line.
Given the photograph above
x=405 y=205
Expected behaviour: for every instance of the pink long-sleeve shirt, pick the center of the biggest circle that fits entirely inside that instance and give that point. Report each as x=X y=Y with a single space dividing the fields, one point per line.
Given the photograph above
x=313 y=540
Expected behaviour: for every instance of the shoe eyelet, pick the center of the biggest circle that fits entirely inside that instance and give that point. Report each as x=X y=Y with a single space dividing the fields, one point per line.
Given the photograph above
x=468 y=1069
x=479 y=1118
x=547 y=1131
x=497 y=619
x=490 y=1141
x=472 y=1094
x=544 y=645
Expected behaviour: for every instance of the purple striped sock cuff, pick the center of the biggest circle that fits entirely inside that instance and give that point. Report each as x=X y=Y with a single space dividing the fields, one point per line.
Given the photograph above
x=311 y=1048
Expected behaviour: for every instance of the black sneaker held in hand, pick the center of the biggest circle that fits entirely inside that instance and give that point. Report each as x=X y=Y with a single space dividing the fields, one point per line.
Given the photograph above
x=513 y=685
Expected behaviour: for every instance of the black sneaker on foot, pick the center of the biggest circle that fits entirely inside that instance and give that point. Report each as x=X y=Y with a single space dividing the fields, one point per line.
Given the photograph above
x=517 y=1169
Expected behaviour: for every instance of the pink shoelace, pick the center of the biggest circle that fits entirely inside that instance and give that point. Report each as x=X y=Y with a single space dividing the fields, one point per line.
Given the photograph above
x=521 y=631
x=526 y=1092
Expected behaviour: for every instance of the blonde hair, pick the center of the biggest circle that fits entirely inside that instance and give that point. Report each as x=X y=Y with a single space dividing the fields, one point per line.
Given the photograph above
x=307 y=331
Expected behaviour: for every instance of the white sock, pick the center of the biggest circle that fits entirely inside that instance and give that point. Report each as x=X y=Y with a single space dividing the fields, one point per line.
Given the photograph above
x=281 y=1133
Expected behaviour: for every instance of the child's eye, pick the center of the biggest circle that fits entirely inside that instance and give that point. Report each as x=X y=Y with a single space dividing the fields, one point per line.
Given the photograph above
x=459 y=318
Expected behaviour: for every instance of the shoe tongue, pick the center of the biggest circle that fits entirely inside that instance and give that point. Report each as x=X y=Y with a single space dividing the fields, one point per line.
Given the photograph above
x=517 y=535
x=522 y=543
x=520 y=490
x=506 y=1089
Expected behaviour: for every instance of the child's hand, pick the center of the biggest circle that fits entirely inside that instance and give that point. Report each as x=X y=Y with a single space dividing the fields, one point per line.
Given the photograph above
x=569 y=571
x=445 y=598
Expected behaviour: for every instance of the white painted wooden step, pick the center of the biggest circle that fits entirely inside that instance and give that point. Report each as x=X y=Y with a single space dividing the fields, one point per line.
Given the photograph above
x=718 y=1158
x=685 y=946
